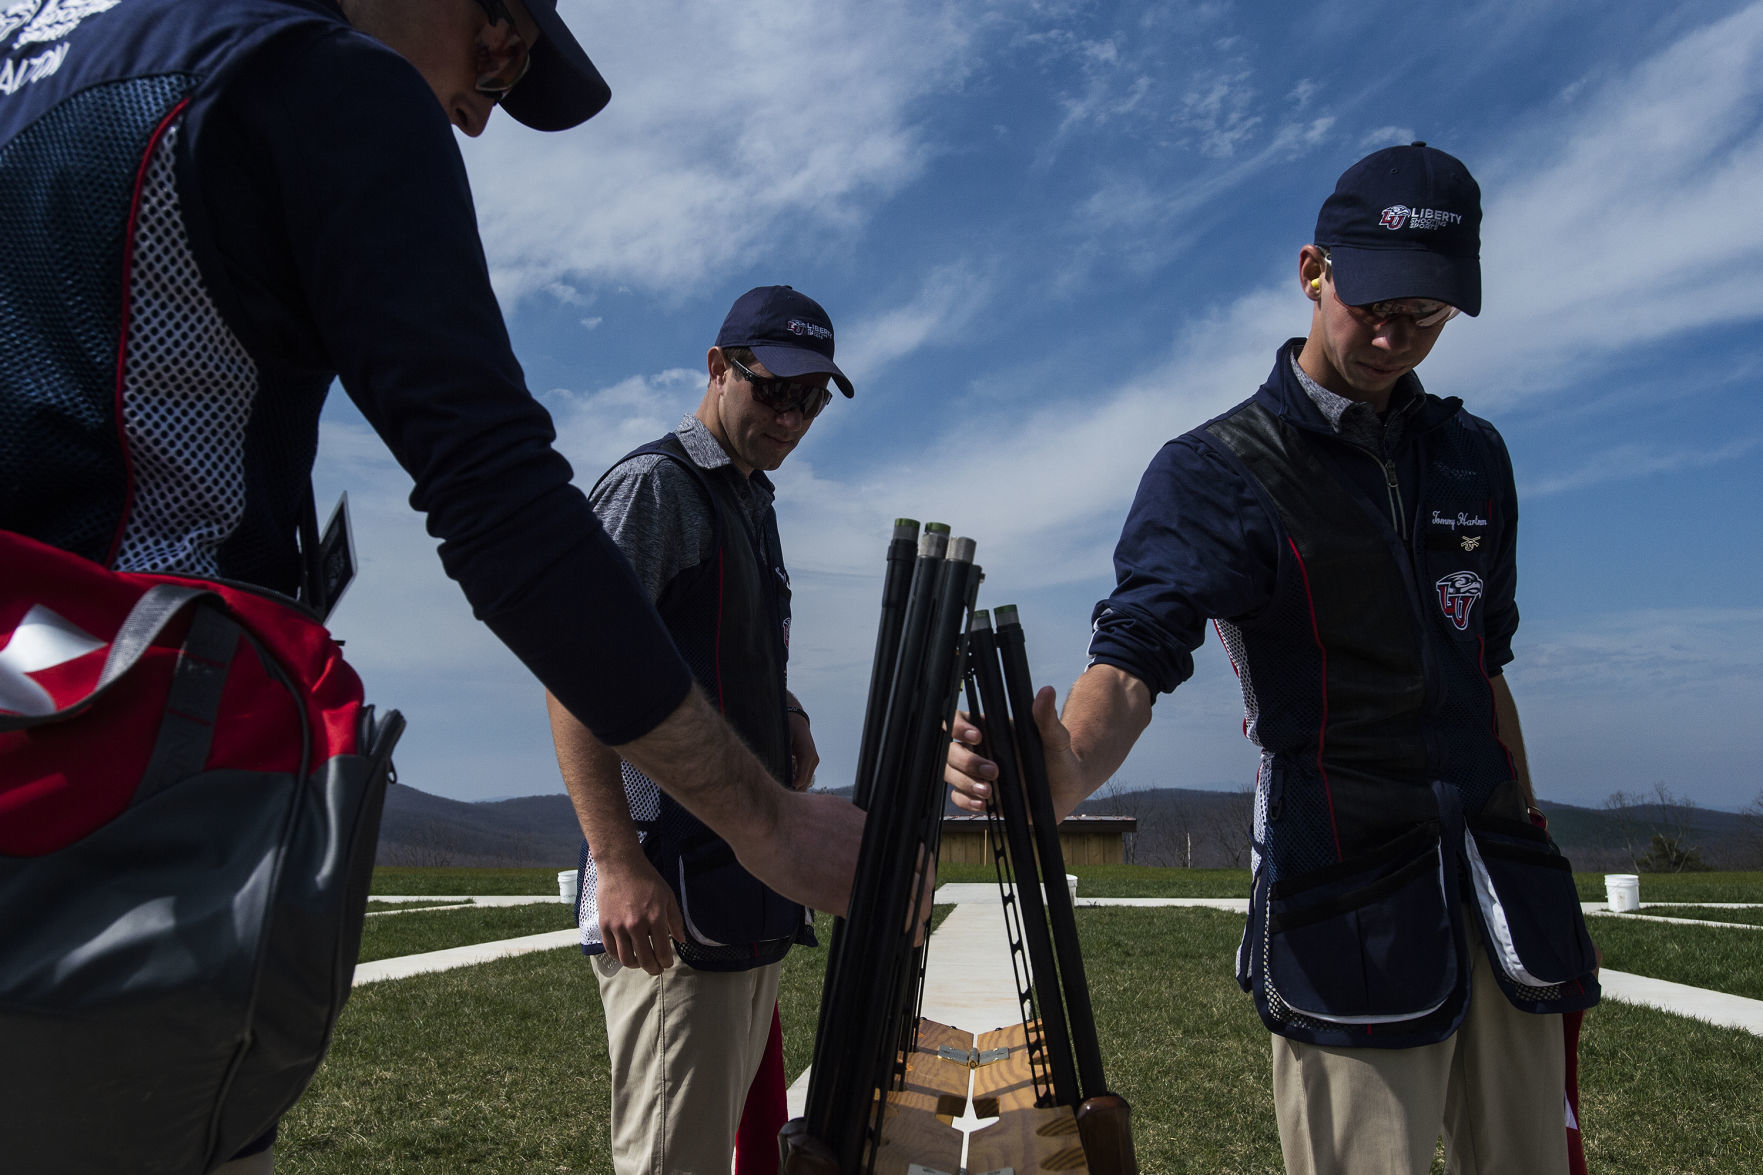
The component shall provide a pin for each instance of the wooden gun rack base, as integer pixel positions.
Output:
(918, 1137)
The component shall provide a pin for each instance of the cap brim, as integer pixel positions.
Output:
(561, 88)
(795, 362)
(1363, 276)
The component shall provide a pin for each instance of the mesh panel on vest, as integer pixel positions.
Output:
(1231, 637)
(66, 183)
(188, 386)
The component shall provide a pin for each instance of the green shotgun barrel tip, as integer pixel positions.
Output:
(1007, 615)
(941, 528)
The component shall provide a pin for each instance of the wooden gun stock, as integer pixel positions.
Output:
(1104, 1123)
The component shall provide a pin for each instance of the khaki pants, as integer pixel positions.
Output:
(1497, 1088)
(685, 1045)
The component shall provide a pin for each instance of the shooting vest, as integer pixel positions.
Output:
(124, 395)
(730, 617)
(1387, 804)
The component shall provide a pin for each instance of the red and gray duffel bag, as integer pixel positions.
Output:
(190, 793)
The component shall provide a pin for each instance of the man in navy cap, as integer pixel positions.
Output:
(693, 513)
(1414, 935)
(211, 212)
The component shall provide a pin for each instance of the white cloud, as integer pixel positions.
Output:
(1635, 460)
(1386, 136)
(948, 299)
(729, 125)
(1621, 222)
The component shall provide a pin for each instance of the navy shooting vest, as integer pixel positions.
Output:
(1388, 804)
(729, 616)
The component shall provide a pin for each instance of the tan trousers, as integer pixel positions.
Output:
(1497, 1088)
(685, 1045)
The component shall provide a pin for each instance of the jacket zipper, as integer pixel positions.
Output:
(1392, 491)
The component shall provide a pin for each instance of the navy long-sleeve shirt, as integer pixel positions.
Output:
(323, 201)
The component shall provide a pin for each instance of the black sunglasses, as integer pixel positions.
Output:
(783, 395)
(498, 82)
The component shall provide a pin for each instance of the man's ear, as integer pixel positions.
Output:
(1310, 272)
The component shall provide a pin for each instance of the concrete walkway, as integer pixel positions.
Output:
(969, 980)
(446, 960)
(1602, 911)
(1697, 1003)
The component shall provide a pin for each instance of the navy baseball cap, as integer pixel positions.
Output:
(561, 88)
(1405, 222)
(786, 331)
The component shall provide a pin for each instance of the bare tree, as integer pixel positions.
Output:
(1623, 808)
(1117, 798)
(1753, 829)
(1655, 829)
(427, 845)
(1233, 828)
(1173, 838)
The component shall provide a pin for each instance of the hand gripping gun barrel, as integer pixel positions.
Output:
(886, 1083)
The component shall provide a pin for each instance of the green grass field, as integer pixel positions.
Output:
(1137, 881)
(412, 880)
(502, 1067)
(1702, 956)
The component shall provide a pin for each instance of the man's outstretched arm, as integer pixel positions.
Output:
(801, 844)
(1105, 712)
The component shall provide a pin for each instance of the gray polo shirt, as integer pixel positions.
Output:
(657, 516)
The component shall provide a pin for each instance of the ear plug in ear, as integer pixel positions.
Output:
(1316, 284)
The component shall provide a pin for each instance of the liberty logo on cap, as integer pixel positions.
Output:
(1397, 215)
(797, 327)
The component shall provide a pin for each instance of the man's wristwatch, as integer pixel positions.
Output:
(798, 710)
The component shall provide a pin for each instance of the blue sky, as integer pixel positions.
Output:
(1053, 235)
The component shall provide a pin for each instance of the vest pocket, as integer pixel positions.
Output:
(1368, 940)
(1530, 913)
(724, 905)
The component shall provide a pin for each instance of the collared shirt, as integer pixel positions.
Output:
(656, 515)
(1356, 421)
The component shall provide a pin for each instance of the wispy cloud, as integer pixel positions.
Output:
(730, 124)
(1623, 221)
(1636, 460)
(948, 299)
(1386, 136)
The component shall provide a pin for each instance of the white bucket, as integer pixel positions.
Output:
(566, 883)
(1622, 891)
(1071, 884)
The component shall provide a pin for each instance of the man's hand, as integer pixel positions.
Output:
(639, 917)
(804, 757)
(970, 775)
(802, 844)
(1106, 711)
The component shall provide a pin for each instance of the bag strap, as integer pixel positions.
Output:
(155, 609)
(191, 707)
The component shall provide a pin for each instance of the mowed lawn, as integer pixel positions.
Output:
(502, 1067)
